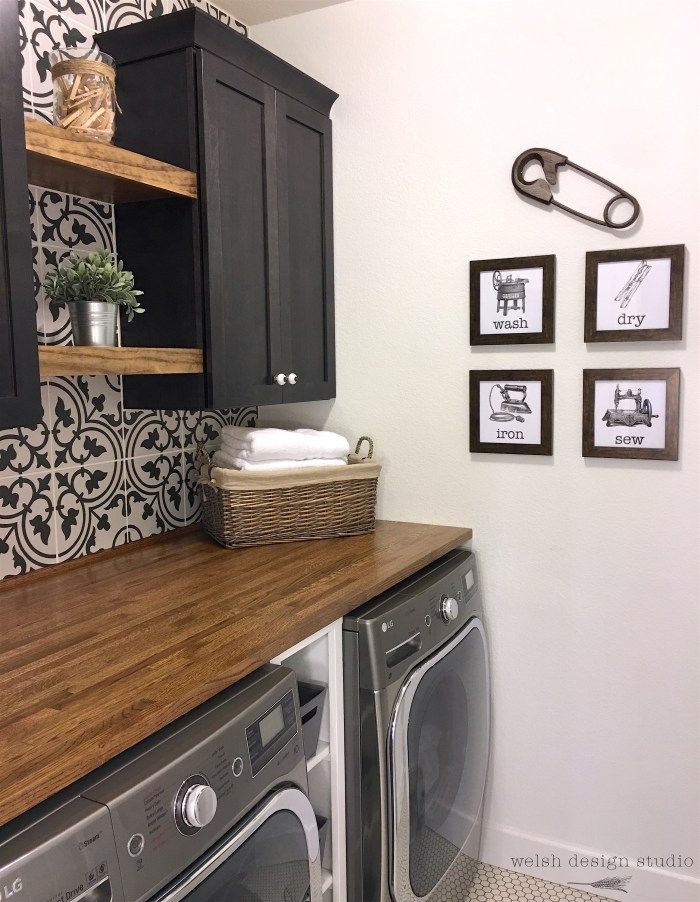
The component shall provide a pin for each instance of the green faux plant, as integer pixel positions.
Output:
(98, 276)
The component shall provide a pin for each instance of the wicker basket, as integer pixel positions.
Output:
(242, 508)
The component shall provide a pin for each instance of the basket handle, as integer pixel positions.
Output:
(203, 463)
(361, 440)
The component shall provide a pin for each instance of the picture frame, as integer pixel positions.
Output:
(635, 294)
(511, 411)
(631, 413)
(511, 300)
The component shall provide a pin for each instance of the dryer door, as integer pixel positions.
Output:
(272, 855)
(438, 755)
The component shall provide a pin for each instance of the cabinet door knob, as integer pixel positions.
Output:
(292, 378)
(280, 379)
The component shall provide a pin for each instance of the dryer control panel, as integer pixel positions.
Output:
(408, 621)
(199, 778)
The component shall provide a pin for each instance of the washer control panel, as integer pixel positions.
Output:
(404, 624)
(68, 855)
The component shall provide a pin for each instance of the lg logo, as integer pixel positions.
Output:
(387, 625)
(7, 892)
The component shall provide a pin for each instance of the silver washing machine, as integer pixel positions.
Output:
(417, 709)
(212, 808)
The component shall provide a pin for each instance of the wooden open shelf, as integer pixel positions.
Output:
(65, 162)
(66, 360)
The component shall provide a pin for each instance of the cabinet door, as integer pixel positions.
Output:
(20, 401)
(305, 194)
(238, 189)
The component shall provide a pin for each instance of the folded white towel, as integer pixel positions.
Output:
(261, 444)
(223, 459)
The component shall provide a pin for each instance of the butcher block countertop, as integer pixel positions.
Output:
(99, 653)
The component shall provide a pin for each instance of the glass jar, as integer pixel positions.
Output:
(84, 99)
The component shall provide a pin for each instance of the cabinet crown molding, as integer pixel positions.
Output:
(194, 28)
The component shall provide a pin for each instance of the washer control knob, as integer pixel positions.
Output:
(199, 805)
(449, 609)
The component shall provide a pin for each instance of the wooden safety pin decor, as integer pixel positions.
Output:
(540, 190)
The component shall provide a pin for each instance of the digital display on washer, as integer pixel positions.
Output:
(271, 732)
(271, 725)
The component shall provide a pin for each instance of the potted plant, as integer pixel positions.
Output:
(93, 287)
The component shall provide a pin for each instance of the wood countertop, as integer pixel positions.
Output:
(99, 653)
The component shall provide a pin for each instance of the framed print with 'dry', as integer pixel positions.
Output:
(511, 301)
(635, 294)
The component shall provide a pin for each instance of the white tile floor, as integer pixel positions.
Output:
(467, 880)
(492, 884)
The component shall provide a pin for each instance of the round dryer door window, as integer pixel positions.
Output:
(438, 757)
(274, 854)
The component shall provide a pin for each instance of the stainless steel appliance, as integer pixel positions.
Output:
(214, 807)
(417, 736)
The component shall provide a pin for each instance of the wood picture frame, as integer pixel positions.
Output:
(654, 291)
(498, 317)
(631, 412)
(511, 429)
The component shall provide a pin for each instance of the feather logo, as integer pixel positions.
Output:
(617, 884)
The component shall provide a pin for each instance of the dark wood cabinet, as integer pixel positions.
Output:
(249, 265)
(306, 248)
(20, 396)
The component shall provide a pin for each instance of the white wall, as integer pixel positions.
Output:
(590, 567)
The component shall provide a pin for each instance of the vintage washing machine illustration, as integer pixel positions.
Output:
(510, 293)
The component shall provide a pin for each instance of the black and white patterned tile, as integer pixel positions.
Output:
(90, 475)
(32, 198)
(70, 223)
(89, 13)
(147, 432)
(119, 13)
(191, 468)
(205, 425)
(26, 450)
(27, 536)
(52, 320)
(86, 414)
(155, 494)
(47, 27)
(90, 509)
(27, 58)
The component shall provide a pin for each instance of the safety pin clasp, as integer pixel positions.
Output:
(540, 190)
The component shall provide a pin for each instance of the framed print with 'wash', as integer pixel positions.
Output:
(511, 301)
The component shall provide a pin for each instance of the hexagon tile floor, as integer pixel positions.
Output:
(492, 884)
(468, 880)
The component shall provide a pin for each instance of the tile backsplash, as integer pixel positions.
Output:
(90, 475)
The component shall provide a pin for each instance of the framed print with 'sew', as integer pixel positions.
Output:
(631, 413)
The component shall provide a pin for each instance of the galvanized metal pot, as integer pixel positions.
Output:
(93, 322)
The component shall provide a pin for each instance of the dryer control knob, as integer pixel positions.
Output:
(449, 609)
(199, 805)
